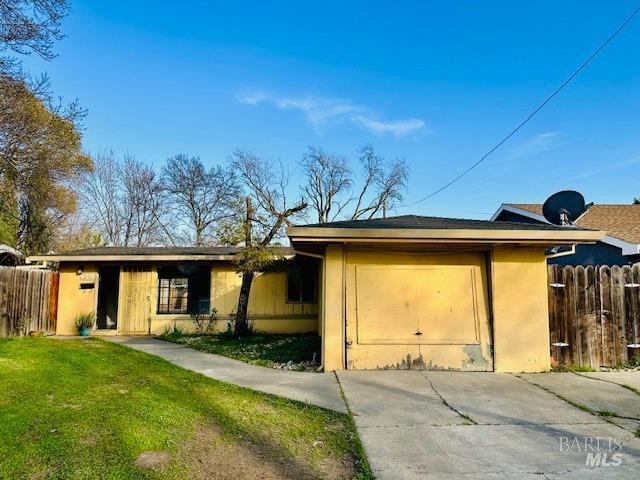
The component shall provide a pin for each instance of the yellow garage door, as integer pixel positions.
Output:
(417, 310)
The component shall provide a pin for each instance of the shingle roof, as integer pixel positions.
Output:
(529, 207)
(620, 221)
(431, 223)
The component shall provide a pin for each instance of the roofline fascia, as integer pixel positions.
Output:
(126, 258)
(509, 208)
(568, 236)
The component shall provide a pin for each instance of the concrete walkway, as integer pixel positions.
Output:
(320, 389)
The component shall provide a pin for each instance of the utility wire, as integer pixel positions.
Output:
(532, 114)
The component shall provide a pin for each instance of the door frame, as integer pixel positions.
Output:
(107, 331)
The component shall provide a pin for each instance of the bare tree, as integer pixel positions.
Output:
(266, 214)
(201, 198)
(327, 182)
(382, 186)
(101, 197)
(143, 203)
(29, 26)
(330, 187)
(123, 199)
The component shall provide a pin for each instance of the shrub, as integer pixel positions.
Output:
(85, 320)
(205, 323)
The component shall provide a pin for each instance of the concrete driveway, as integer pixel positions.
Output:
(457, 425)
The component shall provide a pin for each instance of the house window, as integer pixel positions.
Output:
(173, 295)
(301, 282)
(184, 289)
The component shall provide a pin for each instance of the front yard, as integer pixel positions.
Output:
(292, 352)
(72, 409)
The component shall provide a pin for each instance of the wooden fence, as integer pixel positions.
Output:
(28, 301)
(594, 314)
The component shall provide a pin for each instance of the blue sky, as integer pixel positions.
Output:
(437, 83)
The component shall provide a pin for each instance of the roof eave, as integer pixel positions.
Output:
(551, 237)
(126, 258)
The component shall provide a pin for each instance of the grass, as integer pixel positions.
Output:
(629, 387)
(606, 413)
(267, 350)
(87, 409)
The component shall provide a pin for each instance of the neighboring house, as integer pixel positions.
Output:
(620, 245)
(399, 292)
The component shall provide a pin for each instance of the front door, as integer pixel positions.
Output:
(136, 291)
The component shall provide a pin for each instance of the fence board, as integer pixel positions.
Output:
(607, 338)
(28, 301)
(597, 313)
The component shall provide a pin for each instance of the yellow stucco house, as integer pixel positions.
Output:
(392, 293)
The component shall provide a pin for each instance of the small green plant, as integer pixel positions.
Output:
(85, 320)
(230, 334)
(626, 364)
(173, 331)
(21, 325)
(607, 413)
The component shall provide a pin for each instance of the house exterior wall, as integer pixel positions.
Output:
(269, 310)
(520, 309)
(333, 346)
(513, 287)
(72, 299)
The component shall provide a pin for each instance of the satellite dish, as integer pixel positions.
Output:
(563, 208)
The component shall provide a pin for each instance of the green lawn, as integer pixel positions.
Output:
(88, 409)
(267, 350)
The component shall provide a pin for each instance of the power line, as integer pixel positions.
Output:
(532, 114)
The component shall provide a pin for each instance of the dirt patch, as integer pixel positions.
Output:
(209, 455)
(153, 460)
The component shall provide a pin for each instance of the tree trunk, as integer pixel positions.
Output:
(242, 324)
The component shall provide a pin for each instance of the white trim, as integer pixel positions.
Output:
(509, 208)
(571, 251)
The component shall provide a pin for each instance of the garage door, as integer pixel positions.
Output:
(422, 311)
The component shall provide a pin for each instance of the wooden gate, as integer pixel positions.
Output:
(134, 299)
(28, 301)
(594, 314)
